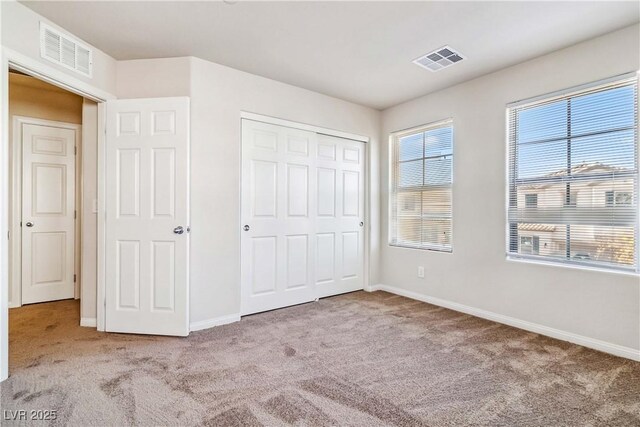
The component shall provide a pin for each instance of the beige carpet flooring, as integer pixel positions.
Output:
(357, 359)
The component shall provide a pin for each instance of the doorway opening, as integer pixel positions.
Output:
(90, 269)
(52, 198)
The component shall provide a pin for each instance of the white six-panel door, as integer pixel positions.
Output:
(302, 210)
(48, 220)
(340, 215)
(147, 218)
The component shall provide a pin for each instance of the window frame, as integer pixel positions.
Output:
(394, 138)
(632, 77)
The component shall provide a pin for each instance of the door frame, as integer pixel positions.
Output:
(367, 183)
(64, 80)
(15, 231)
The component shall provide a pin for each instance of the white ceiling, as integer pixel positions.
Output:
(358, 51)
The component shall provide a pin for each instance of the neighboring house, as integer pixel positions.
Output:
(589, 242)
(437, 222)
(593, 242)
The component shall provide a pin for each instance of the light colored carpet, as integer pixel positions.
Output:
(357, 359)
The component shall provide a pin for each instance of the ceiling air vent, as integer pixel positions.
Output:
(65, 50)
(439, 59)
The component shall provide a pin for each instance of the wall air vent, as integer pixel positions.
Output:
(65, 50)
(439, 59)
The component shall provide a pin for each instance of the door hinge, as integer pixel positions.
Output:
(74, 278)
(75, 150)
(75, 214)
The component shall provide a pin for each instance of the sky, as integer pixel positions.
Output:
(542, 133)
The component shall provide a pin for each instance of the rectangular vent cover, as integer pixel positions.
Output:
(439, 59)
(65, 50)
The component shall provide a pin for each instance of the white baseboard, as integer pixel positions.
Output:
(607, 347)
(89, 322)
(217, 321)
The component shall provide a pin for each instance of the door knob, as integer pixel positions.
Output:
(29, 224)
(361, 223)
(246, 228)
(178, 230)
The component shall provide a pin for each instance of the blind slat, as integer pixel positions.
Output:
(573, 177)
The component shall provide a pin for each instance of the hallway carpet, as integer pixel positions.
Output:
(357, 359)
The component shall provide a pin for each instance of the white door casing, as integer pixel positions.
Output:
(48, 213)
(147, 199)
(302, 236)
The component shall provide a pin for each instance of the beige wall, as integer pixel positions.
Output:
(33, 98)
(597, 305)
(218, 95)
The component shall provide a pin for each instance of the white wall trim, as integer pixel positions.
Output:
(302, 126)
(607, 347)
(89, 322)
(216, 321)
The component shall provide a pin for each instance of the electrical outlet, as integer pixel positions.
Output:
(421, 272)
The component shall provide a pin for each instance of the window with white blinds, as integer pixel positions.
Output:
(573, 177)
(421, 178)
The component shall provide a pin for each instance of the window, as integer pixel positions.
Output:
(573, 176)
(572, 200)
(531, 200)
(614, 198)
(623, 198)
(421, 177)
(530, 245)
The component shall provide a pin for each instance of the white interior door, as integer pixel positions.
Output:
(48, 213)
(147, 216)
(340, 219)
(302, 209)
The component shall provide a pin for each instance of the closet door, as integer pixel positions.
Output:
(278, 216)
(340, 215)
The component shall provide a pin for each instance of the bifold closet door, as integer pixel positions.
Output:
(302, 210)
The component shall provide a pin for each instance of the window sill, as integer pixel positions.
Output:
(629, 273)
(422, 248)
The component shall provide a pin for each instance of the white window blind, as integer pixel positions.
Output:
(573, 177)
(421, 178)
